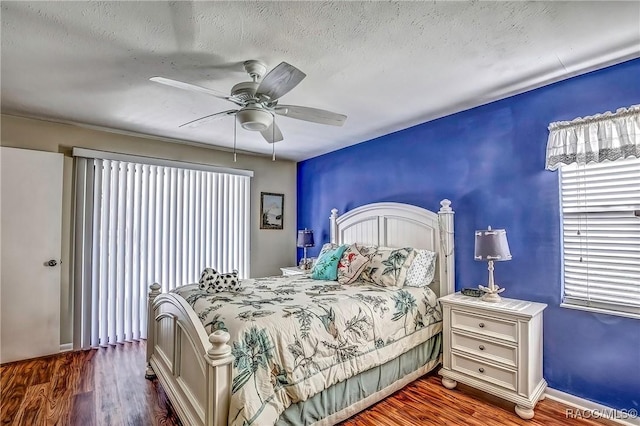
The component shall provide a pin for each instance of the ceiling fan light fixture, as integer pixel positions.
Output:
(254, 119)
(258, 100)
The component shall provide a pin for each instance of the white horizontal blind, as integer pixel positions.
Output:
(601, 234)
(149, 223)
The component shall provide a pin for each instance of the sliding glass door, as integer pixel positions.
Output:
(139, 223)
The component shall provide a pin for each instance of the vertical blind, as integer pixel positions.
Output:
(601, 234)
(141, 223)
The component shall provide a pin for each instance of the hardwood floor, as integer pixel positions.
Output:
(98, 387)
(107, 387)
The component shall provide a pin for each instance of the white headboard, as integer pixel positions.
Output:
(402, 225)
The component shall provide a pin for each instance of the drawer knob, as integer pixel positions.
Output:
(481, 325)
(481, 370)
(481, 347)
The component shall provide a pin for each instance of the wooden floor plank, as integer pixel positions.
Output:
(83, 410)
(61, 392)
(42, 370)
(83, 372)
(14, 386)
(107, 389)
(33, 410)
(137, 407)
(106, 386)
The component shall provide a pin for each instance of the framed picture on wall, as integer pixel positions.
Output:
(271, 210)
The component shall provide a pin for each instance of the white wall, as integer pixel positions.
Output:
(270, 249)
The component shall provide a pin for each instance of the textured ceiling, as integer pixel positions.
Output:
(387, 66)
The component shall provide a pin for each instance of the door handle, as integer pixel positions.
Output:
(51, 263)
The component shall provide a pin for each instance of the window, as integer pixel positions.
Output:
(140, 221)
(601, 235)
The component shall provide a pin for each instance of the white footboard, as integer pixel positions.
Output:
(194, 368)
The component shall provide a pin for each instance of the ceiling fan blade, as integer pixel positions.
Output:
(280, 80)
(314, 115)
(189, 86)
(272, 133)
(206, 119)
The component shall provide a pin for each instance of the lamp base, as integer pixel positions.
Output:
(305, 264)
(491, 297)
(492, 290)
(491, 294)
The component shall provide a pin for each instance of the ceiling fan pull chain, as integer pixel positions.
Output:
(235, 136)
(273, 139)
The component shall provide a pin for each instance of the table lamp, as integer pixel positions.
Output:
(491, 246)
(305, 240)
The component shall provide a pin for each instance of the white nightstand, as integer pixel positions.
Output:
(494, 347)
(293, 270)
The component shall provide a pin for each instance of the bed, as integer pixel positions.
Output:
(217, 366)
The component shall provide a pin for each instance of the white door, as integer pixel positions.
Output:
(30, 237)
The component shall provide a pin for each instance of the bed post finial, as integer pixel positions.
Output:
(334, 226)
(446, 206)
(219, 348)
(154, 291)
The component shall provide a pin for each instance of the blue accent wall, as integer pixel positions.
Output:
(489, 161)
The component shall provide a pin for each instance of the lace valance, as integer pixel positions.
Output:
(608, 136)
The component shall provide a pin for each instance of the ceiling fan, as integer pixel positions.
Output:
(258, 100)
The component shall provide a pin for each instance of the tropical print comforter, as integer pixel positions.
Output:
(293, 336)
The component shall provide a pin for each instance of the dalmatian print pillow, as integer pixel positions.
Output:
(208, 280)
(228, 282)
(212, 281)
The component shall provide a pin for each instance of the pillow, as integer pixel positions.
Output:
(369, 252)
(422, 269)
(208, 280)
(326, 267)
(326, 247)
(389, 266)
(228, 282)
(212, 281)
(351, 265)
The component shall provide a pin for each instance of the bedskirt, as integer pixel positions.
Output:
(346, 398)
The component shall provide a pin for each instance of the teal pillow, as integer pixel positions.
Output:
(326, 267)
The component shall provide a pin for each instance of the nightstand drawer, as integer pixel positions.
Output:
(503, 377)
(501, 329)
(492, 351)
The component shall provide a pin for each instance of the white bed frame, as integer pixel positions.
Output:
(194, 368)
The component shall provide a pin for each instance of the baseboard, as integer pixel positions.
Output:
(66, 347)
(592, 410)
